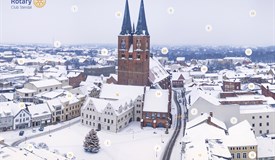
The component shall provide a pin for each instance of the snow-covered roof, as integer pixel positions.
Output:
(101, 104)
(54, 103)
(248, 109)
(265, 147)
(25, 90)
(241, 134)
(39, 110)
(114, 91)
(157, 72)
(156, 100)
(203, 119)
(73, 74)
(45, 83)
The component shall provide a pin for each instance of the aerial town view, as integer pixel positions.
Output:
(137, 80)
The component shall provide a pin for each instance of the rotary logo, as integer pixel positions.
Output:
(39, 3)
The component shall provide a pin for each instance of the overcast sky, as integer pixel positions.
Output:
(95, 22)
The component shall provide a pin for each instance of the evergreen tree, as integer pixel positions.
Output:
(91, 142)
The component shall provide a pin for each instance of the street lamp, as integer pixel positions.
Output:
(141, 123)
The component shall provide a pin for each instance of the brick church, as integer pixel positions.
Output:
(135, 65)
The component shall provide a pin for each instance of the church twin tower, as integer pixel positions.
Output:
(133, 50)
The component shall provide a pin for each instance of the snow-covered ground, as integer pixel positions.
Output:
(132, 142)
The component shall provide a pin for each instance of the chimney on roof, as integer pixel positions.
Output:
(209, 120)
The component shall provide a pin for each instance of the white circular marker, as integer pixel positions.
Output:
(157, 148)
(22, 105)
(69, 96)
(251, 86)
(107, 143)
(164, 50)
(233, 120)
(70, 155)
(252, 13)
(74, 8)
(194, 111)
(104, 52)
(30, 147)
(248, 52)
(158, 94)
(170, 10)
(204, 69)
(57, 44)
(208, 28)
(118, 14)
(21, 61)
(117, 94)
(252, 155)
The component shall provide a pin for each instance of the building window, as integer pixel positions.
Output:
(104, 119)
(244, 155)
(260, 132)
(267, 123)
(267, 116)
(253, 125)
(138, 55)
(130, 56)
(253, 117)
(112, 121)
(260, 124)
(232, 154)
(260, 117)
(238, 155)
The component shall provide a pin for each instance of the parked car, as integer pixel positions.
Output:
(21, 133)
(41, 128)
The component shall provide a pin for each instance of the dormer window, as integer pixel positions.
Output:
(130, 56)
(138, 55)
(123, 44)
(122, 55)
(147, 45)
(138, 44)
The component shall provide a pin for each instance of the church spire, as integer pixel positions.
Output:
(141, 25)
(126, 24)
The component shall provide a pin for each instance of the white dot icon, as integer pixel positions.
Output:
(104, 52)
(252, 13)
(252, 155)
(107, 143)
(204, 69)
(117, 94)
(233, 120)
(74, 8)
(57, 44)
(30, 147)
(208, 28)
(164, 50)
(21, 61)
(22, 105)
(70, 155)
(69, 96)
(170, 10)
(158, 94)
(251, 86)
(118, 14)
(248, 52)
(194, 111)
